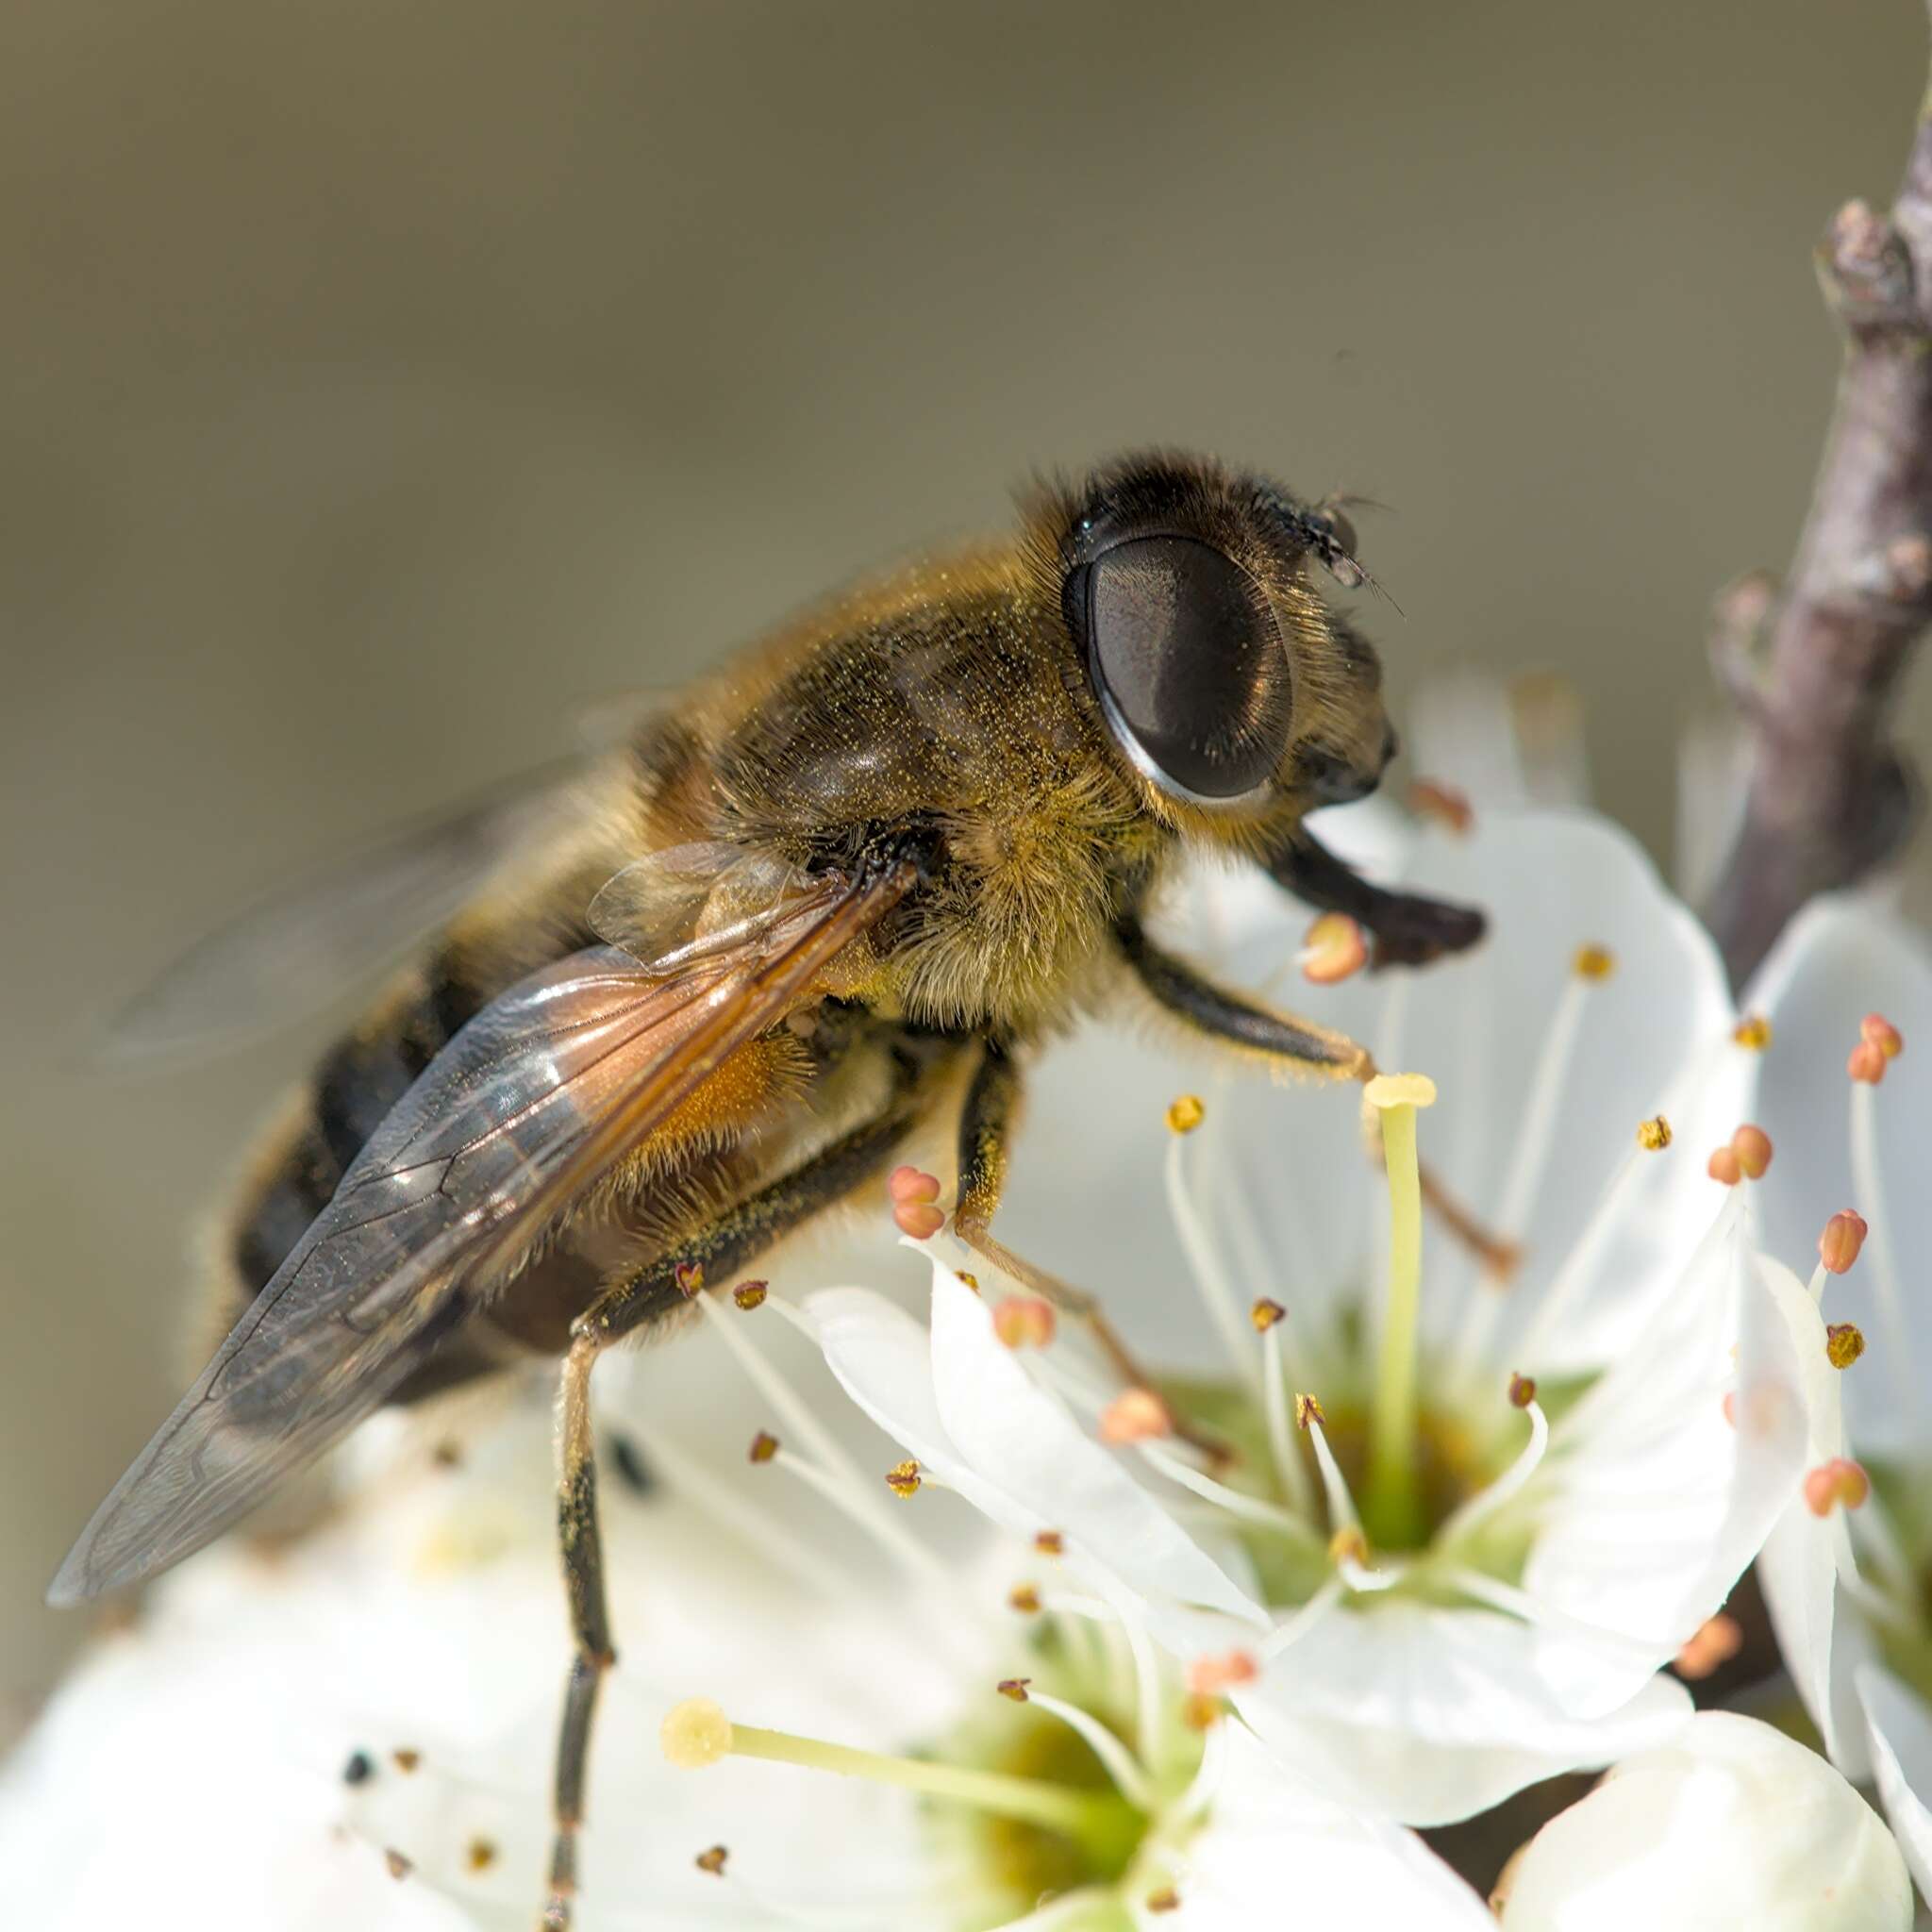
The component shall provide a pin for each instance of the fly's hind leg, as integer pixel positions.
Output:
(630, 1302)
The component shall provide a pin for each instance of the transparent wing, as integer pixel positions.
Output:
(529, 1105)
(674, 909)
(295, 949)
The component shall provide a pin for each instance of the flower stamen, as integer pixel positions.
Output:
(1129, 1778)
(1868, 1187)
(697, 1734)
(1211, 1281)
(1392, 1502)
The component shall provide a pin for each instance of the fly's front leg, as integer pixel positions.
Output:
(631, 1302)
(1301, 1045)
(1227, 1017)
(1409, 929)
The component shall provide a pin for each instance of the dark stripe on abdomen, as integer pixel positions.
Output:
(360, 1079)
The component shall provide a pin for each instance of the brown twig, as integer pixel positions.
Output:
(1828, 797)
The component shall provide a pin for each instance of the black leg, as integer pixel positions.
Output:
(1409, 929)
(1227, 1017)
(631, 1302)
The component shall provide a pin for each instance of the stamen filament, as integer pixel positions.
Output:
(1289, 1466)
(1205, 1786)
(1032, 1801)
(794, 1412)
(1392, 1505)
(1292, 1629)
(1870, 1190)
(905, 1548)
(1532, 1610)
(1128, 1775)
(1237, 1503)
(1815, 1287)
(1507, 1486)
(1873, 1527)
(758, 1528)
(1204, 1265)
(1607, 1220)
(1342, 1510)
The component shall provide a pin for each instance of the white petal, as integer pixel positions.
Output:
(1840, 960)
(1901, 1762)
(883, 1360)
(1798, 1568)
(1730, 1824)
(1653, 1037)
(1017, 1439)
(1276, 1851)
(1429, 1715)
(1657, 1501)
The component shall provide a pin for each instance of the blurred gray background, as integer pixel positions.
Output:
(381, 383)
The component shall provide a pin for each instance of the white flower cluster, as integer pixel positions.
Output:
(1509, 1383)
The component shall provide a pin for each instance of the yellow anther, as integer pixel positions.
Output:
(1265, 1314)
(1400, 1090)
(1185, 1113)
(694, 1734)
(1653, 1135)
(400, 1864)
(1753, 1031)
(751, 1294)
(904, 1479)
(1522, 1391)
(1593, 962)
(1843, 1344)
(479, 1854)
(1202, 1712)
(1024, 1598)
(1348, 1545)
(1014, 1688)
(407, 1759)
(1050, 1543)
(764, 1445)
(1165, 1900)
(712, 1861)
(1307, 1412)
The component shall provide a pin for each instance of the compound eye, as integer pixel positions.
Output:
(1184, 657)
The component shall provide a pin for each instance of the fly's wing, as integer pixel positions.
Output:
(674, 909)
(294, 950)
(539, 1097)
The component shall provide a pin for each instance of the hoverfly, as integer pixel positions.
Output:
(837, 891)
